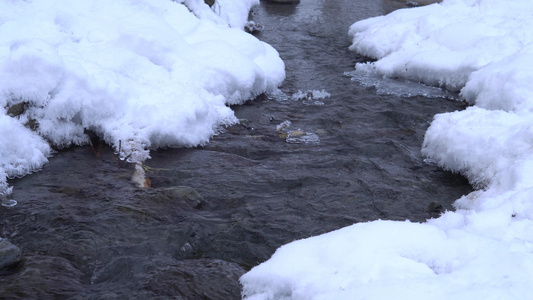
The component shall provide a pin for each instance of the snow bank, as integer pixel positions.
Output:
(423, 44)
(21, 150)
(444, 259)
(483, 250)
(141, 74)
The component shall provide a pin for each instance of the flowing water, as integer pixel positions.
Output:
(291, 169)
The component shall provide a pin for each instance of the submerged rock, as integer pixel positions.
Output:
(9, 254)
(435, 209)
(44, 277)
(175, 194)
(297, 136)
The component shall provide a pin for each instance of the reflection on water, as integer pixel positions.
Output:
(213, 212)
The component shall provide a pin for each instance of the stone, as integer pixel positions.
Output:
(17, 109)
(175, 194)
(435, 209)
(9, 254)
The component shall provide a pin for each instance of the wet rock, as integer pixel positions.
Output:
(199, 279)
(245, 123)
(17, 109)
(187, 193)
(435, 209)
(68, 191)
(141, 277)
(210, 2)
(32, 124)
(9, 254)
(43, 277)
(182, 193)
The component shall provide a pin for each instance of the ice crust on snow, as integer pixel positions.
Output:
(311, 97)
(398, 87)
(141, 74)
(483, 250)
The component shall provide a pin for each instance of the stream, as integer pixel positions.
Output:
(292, 169)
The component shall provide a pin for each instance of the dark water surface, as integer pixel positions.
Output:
(86, 232)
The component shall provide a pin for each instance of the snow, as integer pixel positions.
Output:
(484, 249)
(21, 150)
(141, 74)
(395, 260)
(311, 97)
(422, 44)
